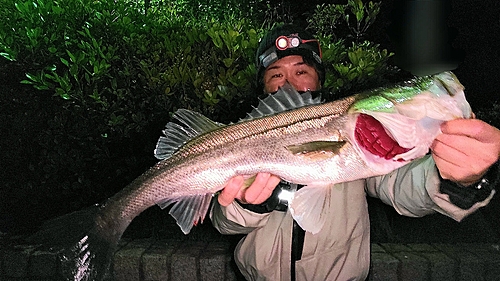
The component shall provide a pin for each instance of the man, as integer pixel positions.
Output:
(275, 247)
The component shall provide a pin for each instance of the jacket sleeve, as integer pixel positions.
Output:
(234, 219)
(413, 190)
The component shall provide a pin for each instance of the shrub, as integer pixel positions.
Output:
(351, 20)
(353, 63)
(107, 75)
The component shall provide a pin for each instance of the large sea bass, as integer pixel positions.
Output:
(289, 135)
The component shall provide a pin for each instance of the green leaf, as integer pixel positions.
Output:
(73, 70)
(8, 56)
(57, 10)
(62, 94)
(71, 56)
(228, 62)
(126, 20)
(22, 7)
(33, 77)
(64, 61)
(54, 77)
(353, 57)
(359, 15)
(41, 87)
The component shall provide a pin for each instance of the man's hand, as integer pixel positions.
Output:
(256, 193)
(465, 150)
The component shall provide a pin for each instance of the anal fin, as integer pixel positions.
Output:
(189, 210)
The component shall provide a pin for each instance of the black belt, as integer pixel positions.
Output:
(298, 235)
(278, 201)
(283, 192)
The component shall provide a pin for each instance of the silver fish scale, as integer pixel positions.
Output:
(264, 152)
(312, 145)
(208, 161)
(290, 119)
(204, 164)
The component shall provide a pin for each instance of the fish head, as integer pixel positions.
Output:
(391, 127)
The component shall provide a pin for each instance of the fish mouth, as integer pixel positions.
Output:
(371, 135)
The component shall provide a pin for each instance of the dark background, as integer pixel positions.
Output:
(467, 41)
(470, 42)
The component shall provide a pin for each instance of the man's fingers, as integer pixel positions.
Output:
(268, 189)
(256, 188)
(258, 192)
(472, 128)
(230, 191)
(261, 188)
(451, 146)
(465, 150)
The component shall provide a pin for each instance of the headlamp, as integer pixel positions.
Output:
(292, 41)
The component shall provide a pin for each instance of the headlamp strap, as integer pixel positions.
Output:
(283, 43)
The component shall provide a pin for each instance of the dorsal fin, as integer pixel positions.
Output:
(286, 98)
(192, 124)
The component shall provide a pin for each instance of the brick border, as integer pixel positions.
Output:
(148, 260)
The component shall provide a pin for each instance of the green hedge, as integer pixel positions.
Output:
(107, 75)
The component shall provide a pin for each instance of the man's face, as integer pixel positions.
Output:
(303, 77)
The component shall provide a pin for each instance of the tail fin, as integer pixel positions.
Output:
(86, 250)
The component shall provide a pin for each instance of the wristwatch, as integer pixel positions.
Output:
(466, 196)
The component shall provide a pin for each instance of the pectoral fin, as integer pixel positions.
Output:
(308, 205)
(317, 150)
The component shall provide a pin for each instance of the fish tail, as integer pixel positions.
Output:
(85, 250)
